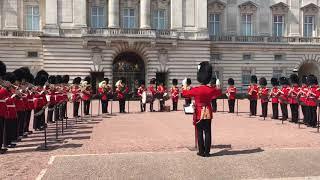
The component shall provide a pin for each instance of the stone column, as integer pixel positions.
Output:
(11, 14)
(80, 13)
(145, 14)
(294, 18)
(114, 14)
(176, 14)
(51, 19)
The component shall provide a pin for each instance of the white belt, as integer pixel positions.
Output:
(2, 100)
(30, 100)
(38, 98)
(11, 106)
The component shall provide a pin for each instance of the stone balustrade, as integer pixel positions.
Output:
(19, 34)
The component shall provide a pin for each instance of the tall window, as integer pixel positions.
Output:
(246, 76)
(129, 18)
(98, 17)
(246, 25)
(278, 25)
(308, 26)
(159, 19)
(214, 24)
(32, 18)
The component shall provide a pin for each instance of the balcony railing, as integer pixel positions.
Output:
(19, 34)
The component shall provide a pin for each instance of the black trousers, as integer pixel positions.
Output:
(11, 130)
(86, 107)
(104, 104)
(37, 120)
(187, 101)
(161, 105)
(50, 113)
(76, 109)
(231, 103)
(204, 143)
(21, 122)
(142, 106)
(1, 131)
(305, 113)
(264, 108)
(63, 110)
(294, 112)
(284, 111)
(253, 107)
(122, 105)
(275, 110)
(214, 105)
(313, 116)
(57, 112)
(175, 106)
(28, 118)
(151, 106)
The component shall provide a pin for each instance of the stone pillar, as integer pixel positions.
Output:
(80, 13)
(145, 14)
(176, 14)
(202, 11)
(51, 19)
(294, 18)
(11, 14)
(114, 14)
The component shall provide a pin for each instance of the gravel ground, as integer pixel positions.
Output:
(151, 132)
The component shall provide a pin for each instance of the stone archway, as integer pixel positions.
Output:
(128, 65)
(307, 68)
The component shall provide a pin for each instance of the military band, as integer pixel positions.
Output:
(231, 95)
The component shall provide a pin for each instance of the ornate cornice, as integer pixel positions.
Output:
(216, 6)
(279, 8)
(310, 9)
(248, 7)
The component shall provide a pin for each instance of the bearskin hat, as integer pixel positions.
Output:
(263, 81)
(159, 82)
(9, 76)
(42, 80)
(30, 78)
(106, 80)
(26, 70)
(142, 82)
(174, 82)
(77, 80)
(52, 79)
(274, 82)
(43, 73)
(312, 80)
(304, 79)
(204, 73)
(213, 80)
(88, 79)
(188, 81)
(230, 81)
(3, 69)
(284, 81)
(58, 79)
(20, 74)
(294, 79)
(153, 81)
(254, 79)
(65, 79)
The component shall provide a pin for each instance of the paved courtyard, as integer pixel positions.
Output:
(160, 145)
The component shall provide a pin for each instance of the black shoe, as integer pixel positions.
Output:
(11, 145)
(2, 151)
(207, 155)
(200, 154)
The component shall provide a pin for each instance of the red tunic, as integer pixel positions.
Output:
(18, 101)
(30, 104)
(11, 113)
(103, 94)
(121, 92)
(160, 90)
(75, 93)
(275, 93)
(202, 96)
(313, 95)
(293, 96)
(86, 95)
(264, 95)
(39, 99)
(303, 94)
(232, 91)
(152, 90)
(174, 93)
(253, 91)
(4, 93)
(284, 95)
(140, 91)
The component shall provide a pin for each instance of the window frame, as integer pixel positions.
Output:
(277, 23)
(33, 16)
(156, 19)
(305, 24)
(98, 16)
(214, 22)
(245, 23)
(129, 17)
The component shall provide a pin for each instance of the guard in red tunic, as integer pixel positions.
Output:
(312, 98)
(160, 92)
(40, 102)
(4, 93)
(264, 96)
(122, 90)
(284, 97)
(152, 92)
(141, 90)
(231, 95)
(214, 98)
(293, 97)
(86, 94)
(104, 91)
(187, 100)
(203, 110)
(174, 94)
(303, 99)
(76, 98)
(58, 98)
(275, 93)
(65, 99)
(52, 99)
(253, 91)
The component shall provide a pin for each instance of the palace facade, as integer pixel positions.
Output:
(142, 39)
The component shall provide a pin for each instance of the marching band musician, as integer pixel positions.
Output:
(303, 99)
(152, 91)
(140, 91)
(30, 104)
(160, 92)
(174, 94)
(231, 95)
(293, 97)
(104, 91)
(76, 98)
(253, 90)
(65, 99)
(284, 93)
(264, 96)
(187, 100)
(312, 98)
(275, 93)
(4, 93)
(86, 94)
(59, 98)
(52, 98)
(121, 90)
(214, 98)
(203, 111)
(40, 102)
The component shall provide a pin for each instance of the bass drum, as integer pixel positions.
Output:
(149, 97)
(166, 96)
(144, 97)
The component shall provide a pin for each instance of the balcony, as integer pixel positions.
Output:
(20, 34)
